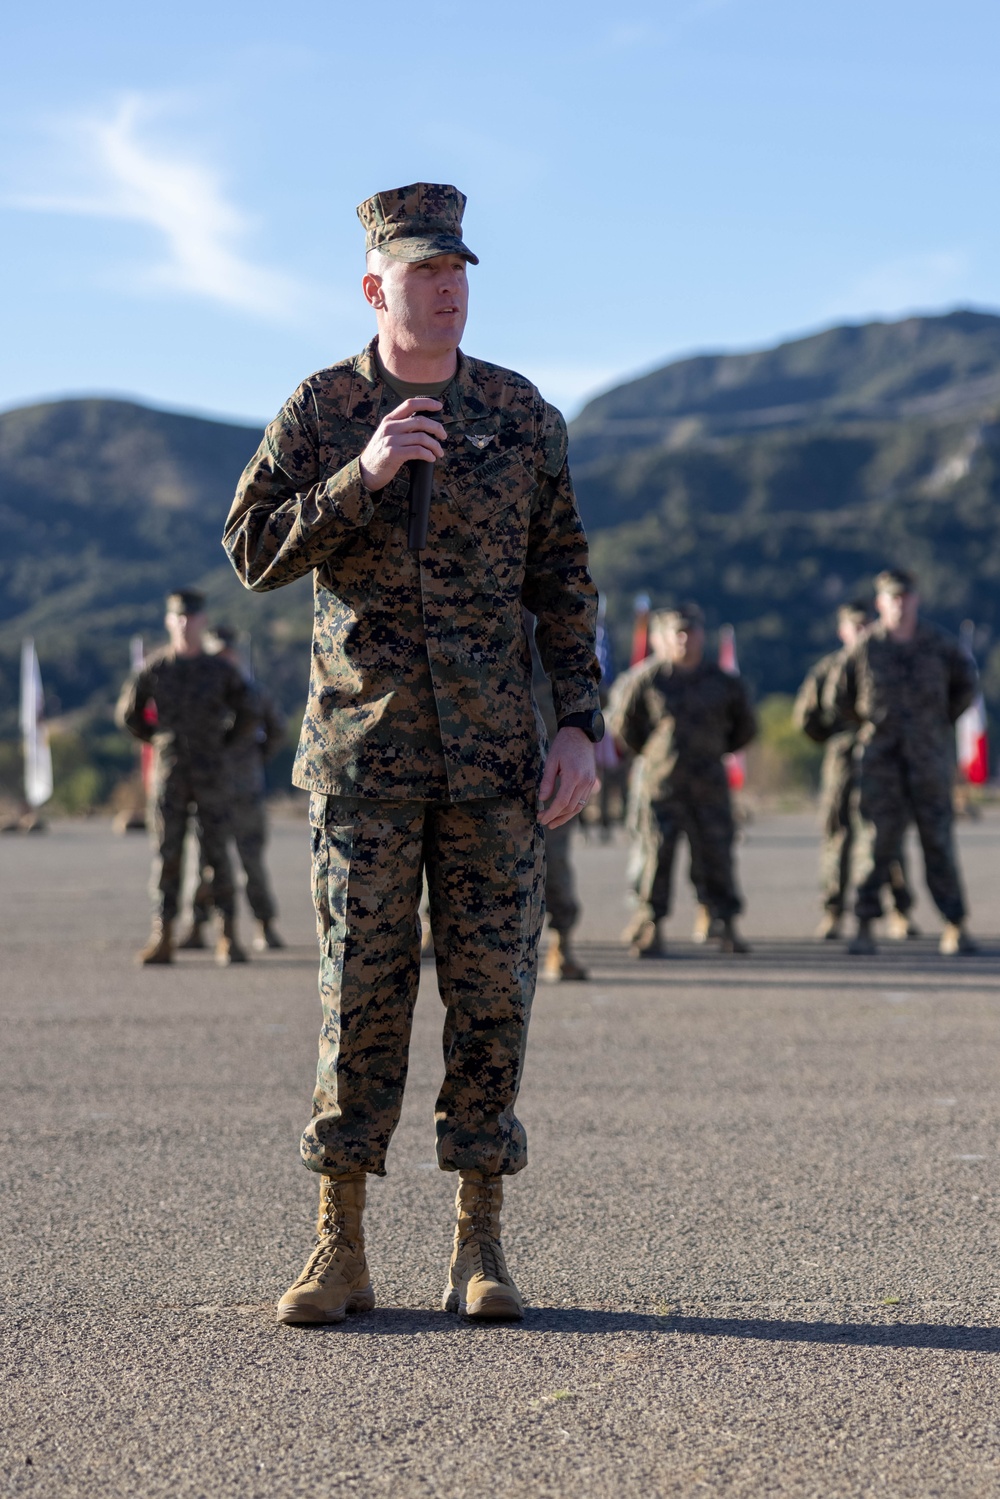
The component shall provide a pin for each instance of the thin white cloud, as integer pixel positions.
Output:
(129, 179)
(902, 285)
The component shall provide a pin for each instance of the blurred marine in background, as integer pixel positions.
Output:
(905, 684)
(190, 706)
(247, 790)
(838, 785)
(682, 714)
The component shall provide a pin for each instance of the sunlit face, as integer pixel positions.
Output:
(850, 630)
(678, 645)
(422, 305)
(185, 630)
(897, 611)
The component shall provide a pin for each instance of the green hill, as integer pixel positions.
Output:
(104, 505)
(773, 485)
(769, 485)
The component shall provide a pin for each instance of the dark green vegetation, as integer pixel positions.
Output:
(769, 485)
(105, 505)
(773, 485)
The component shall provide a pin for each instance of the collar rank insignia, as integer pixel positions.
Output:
(480, 440)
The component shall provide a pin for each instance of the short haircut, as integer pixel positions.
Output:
(685, 616)
(895, 580)
(185, 601)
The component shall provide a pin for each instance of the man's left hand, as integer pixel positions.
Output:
(570, 773)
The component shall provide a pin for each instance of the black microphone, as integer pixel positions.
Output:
(421, 479)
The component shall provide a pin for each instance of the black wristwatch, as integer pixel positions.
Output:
(591, 723)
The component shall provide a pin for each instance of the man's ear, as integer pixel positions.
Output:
(372, 288)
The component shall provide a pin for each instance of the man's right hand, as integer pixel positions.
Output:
(408, 432)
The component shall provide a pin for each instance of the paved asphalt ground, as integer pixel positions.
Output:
(758, 1233)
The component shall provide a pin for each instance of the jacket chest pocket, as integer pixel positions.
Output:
(493, 497)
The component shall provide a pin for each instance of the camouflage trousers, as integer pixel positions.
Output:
(170, 805)
(484, 866)
(248, 826)
(705, 818)
(838, 817)
(560, 884)
(892, 792)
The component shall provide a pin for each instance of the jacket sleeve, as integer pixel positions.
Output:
(132, 702)
(239, 701)
(628, 717)
(272, 724)
(963, 683)
(288, 517)
(809, 713)
(841, 690)
(558, 589)
(742, 719)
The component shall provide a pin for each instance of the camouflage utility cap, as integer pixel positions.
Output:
(895, 580)
(416, 222)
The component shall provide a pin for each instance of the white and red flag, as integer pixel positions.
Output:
(34, 733)
(736, 765)
(972, 747)
(640, 630)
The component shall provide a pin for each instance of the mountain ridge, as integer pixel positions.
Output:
(770, 484)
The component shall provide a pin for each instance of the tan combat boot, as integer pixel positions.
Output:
(193, 939)
(829, 928)
(702, 925)
(160, 947)
(862, 944)
(560, 965)
(648, 940)
(956, 940)
(335, 1280)
(268, 937)
(227, 949)
(479, 1284)
(730, 939)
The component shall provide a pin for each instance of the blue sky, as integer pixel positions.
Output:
(178, 182)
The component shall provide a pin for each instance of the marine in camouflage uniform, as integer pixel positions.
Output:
(562, 904)
(420, 745)
(905, 694)
(682, 720)
(247, 788)
(838, 784)
(190, 707)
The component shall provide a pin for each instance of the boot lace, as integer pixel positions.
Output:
(491, 1258)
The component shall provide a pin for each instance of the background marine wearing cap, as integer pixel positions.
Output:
(838, 784)
(905, 683)
(190, 706)
(420, 743)
(682, 714)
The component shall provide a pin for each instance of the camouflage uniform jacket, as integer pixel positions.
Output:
(421, 669)
(247, 755)
(816, 718)
(681, 722)
(820, 722)
(202, 705)
(905, 695)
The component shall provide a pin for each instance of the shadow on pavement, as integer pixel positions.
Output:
(407, 1322)
(856, 1334)
(814, 966)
